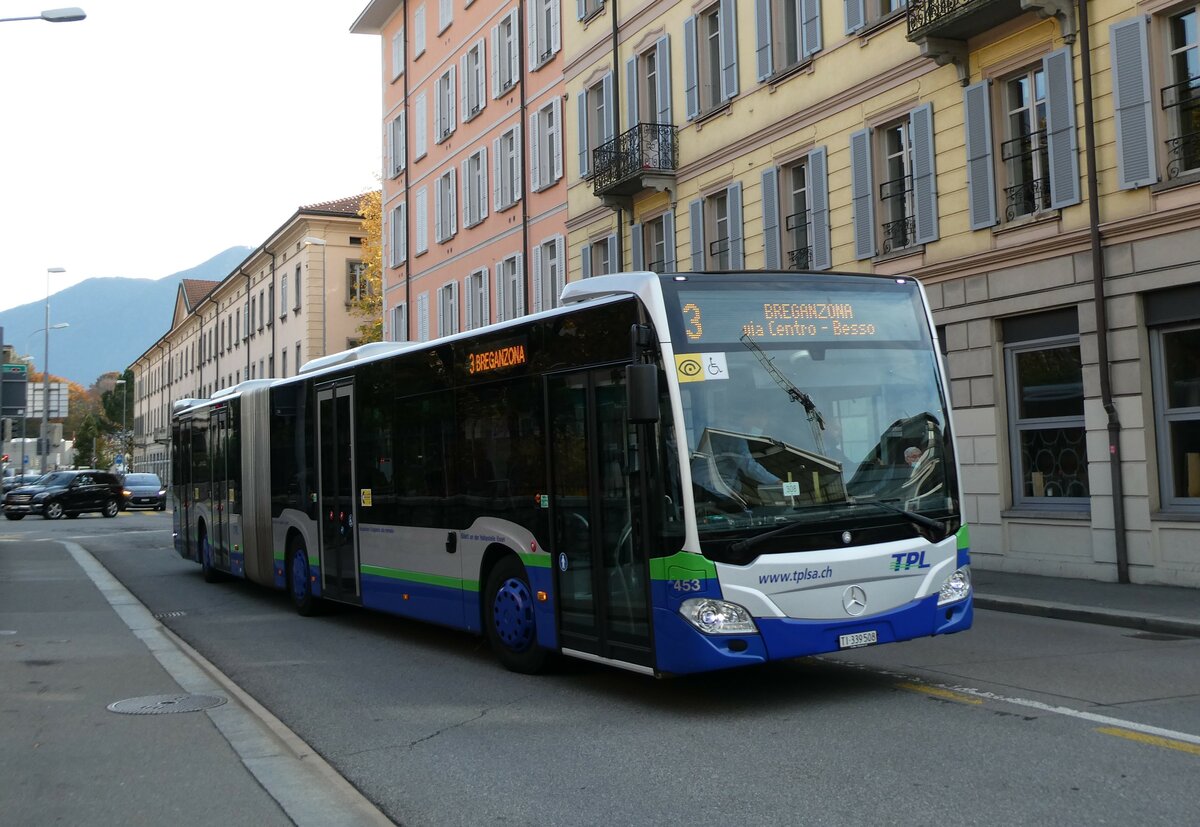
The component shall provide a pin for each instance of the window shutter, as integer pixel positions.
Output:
(485, 312)
(454, 294)
(556, 149)
(810, 35)
(663, 63)
(452, 110)
(762, 38)
(560, 272)
(452, 207)
(1132, 101)
(438, 114)
(580, 9)
(514, 53)
(480, 74)
(729, 56)
(981, 174)
(818, 209)
(402, 235)
(669, 264)
(438, 231)
(531, 27)
(470, 199)
(856, 15)
(584, 166)
(481, 183)
(862, 194)
(635, 243)
(421, 127)
(422, 239)
(495, 62)
(555, 28)
(924, 174)
(691, 72)
(517, 171)
(500, 292)
(610, 113)
(464, 90)
(614, 260)
(538, 290)
(631, 91)
(519, 298)
(1061, 140)
(772, 260)
(737, 253)
(585, 261)
(696, 211)
(423, 317)
(497, 176)
(469, 301)
(535, 159)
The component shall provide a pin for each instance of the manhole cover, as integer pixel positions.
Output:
(165, 704)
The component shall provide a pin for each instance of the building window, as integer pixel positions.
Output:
(653, 243)
(597, 258)
(262, 310)
(398, 53)
(716, 227)
(419, 31)
(474, 185)
(507, 161)
(270, 305)
(396, 145)
(787, 33)
(474, 95)
(545, 145)
(399, 245)
(299, 364)
(510, 288)
(296, 307)
(358, 286)
(1173, 317)
(444, 105)
(400, 323)
(548, 273)
(421, 202)
(475, 293)
(506, 55)
(445, 207)
(544, 31)
(797, 246)
(447, 299)
(283, 305)
(864, 13)
(1044, 378)
(283, 364)
(896, 189)
(597, 124)
(588, 8)
(710, 58)
(1181, 98)
(1024, 152)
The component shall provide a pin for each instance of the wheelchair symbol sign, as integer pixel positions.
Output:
(701, 367)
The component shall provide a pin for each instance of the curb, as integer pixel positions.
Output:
(1090, 614)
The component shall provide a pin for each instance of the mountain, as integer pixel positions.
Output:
(112, 320)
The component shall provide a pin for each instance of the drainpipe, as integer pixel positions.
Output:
(1106, 394)
(523, 61)
(408, 308)
(272, 317)
(616, 115)
(249, 327)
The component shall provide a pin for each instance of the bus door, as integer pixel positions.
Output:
(599, 558)
(221, 539)
(181, 488)
(336, 495)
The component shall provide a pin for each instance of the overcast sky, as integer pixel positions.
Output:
(157, 133)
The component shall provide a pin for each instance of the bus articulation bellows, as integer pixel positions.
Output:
(668, 473)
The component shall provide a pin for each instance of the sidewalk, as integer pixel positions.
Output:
(1161, 609)
(73, 641)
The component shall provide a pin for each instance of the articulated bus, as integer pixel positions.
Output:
(668, 473)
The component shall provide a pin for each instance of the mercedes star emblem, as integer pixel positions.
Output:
(854, 600)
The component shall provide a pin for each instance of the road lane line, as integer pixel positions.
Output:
(1152, 740)
(939, 692)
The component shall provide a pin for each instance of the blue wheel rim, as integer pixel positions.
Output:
(299, 573)
(512, 611)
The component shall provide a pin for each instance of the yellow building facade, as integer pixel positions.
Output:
(948, 141)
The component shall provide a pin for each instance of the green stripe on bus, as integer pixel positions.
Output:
(964, 537)
(422, 577)
(537, 561)
(674, 567)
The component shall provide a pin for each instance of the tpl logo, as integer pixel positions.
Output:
(904, 561)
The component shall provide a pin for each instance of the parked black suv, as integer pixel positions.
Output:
(66, 492)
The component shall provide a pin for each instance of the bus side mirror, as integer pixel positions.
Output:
(641, 384)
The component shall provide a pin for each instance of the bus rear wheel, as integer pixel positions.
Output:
(509, 624)
(300, 582)
(211, 574)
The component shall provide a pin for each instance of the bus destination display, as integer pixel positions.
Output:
(766, 316)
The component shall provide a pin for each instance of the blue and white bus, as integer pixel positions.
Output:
(668, 473)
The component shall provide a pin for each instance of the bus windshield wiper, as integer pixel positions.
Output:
(750, 542)
(911, 516)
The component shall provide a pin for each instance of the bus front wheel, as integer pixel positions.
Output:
(300, 582)
(510, 625)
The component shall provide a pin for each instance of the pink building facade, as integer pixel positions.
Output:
(474, 196)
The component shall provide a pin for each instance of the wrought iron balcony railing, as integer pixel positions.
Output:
(1183, 155)
(899, 234)
(648, 148)
(958, 19)
(1027, 198)
(800, 258)
(1181, 94)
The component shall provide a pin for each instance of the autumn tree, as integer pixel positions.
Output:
(368, 304)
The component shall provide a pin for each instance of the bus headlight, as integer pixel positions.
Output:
(717, 617)
(957, 587)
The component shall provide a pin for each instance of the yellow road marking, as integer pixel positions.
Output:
(1152, 740)
(944, 694)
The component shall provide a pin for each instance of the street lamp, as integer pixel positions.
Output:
(52, 16)
(124, 451)
(58, 326)
(320, 242)
(46, 376)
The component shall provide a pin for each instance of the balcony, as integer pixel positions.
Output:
(644, 157)
(942, 27)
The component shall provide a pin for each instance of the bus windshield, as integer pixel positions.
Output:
(801, 412)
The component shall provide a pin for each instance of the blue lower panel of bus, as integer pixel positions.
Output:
(420, 601)
(682, 649)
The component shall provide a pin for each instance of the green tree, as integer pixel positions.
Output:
(368, 306)
(91, 446)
